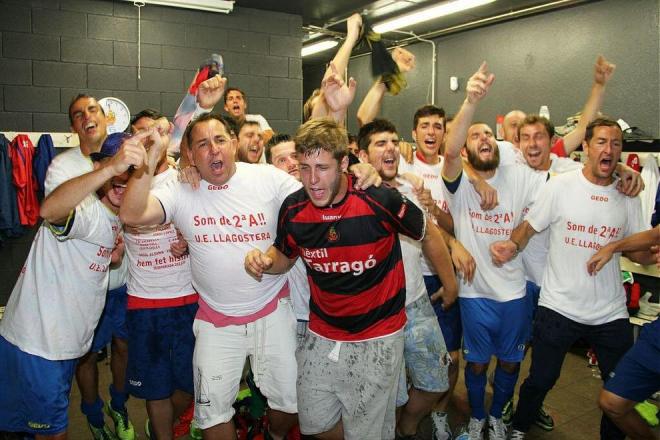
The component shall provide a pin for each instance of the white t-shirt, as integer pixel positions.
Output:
(535, 253)
(118, 276)
(517, 186)
(411, 254)
(432, 181)
(65, 166)
(154, 272)
(583, 217)
(59, 296)
(509, 154)
(221, 224)
(263, 124)
(299, 287)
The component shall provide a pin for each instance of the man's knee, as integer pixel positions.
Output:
(509, 367)
(477, 369)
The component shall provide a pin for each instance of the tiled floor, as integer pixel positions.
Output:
(572, 403)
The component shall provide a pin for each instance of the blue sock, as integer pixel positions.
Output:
(503, 387)
(118, 399)
(476, 388)
(94, 412)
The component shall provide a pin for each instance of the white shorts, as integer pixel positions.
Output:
(219, 359)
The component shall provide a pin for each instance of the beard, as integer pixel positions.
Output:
(483, 165)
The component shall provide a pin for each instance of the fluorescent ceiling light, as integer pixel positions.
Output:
(318, 47)
(426, 14)
(224, 6)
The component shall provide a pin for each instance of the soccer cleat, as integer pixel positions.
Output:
(517, 435)
(544, 420)
(496, 429)
(103, 433)
(507, 413)
(649, 412)
(440, 426)
(473, 431)
(123, 427)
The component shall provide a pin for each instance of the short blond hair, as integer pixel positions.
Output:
(322, 134)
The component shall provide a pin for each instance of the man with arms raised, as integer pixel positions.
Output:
(51, 316)
(584, 211)
(493, 308)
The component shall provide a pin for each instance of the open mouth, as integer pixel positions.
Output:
(217, 165)
(389, 161)
(317, 193)
(605, 164)
(90, 127)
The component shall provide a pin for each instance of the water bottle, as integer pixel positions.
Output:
(544, 112)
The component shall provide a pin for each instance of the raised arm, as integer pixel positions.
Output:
(477, 88)
(56, 208)
(506, 250)
(643, 248)
(436, 251)
(603, 71)
(139, 207)
(371, 104)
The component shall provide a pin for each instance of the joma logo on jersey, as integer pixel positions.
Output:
(36, 425)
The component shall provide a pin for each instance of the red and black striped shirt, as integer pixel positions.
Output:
(353, 258)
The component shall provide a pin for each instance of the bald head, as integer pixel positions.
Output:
(511, 122)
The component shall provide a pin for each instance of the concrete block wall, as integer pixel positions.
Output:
(50, 50)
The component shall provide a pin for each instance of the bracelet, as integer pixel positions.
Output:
(517, 248)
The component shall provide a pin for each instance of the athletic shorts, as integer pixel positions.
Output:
(113, 319)
(219, 359)
(424, 348)
(637, 375)
(34, 392)
(532, 293)
(160, 350)
(493, 328)
(449, 320)
(355, 382)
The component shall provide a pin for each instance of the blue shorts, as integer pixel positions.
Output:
(449, 320)
(34, 396)
(160, 351)
(494, 328)
(637, 375)
(532, 293)
(113, 319)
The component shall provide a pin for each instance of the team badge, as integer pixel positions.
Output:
(333, 235)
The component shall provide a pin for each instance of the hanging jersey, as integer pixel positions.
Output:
(42, 159)
(21, 152)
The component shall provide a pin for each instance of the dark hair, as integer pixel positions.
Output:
(203, 118)
(373, 127)
(246, 123)
(274, 141)
(234, 89)
(600, 122)
(82, 96)
(536, 119)
(352, 138)
(427, 110)
(233, 125)
(147, 113)
(322, 134)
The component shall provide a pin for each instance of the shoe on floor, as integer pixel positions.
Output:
(123, 427)
(103, 433)
(473, 431)
(496, 429)
(507, 412)
(517, 435)
(440, 426)
(544, 420)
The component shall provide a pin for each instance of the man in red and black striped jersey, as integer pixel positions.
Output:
(349, 366)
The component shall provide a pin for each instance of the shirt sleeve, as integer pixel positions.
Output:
(399, 211)
(90, 221)
(168, 196)
(284, 242)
